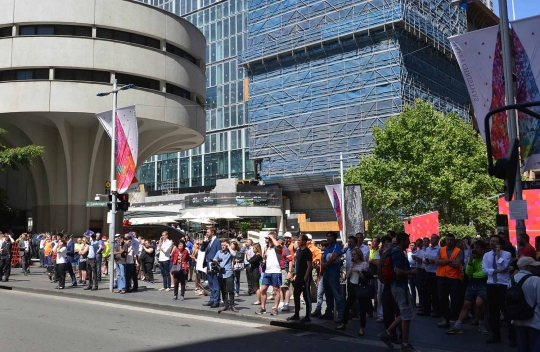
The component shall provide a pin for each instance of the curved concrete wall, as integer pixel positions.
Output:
(60, 115)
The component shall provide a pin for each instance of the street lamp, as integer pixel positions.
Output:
(112, 216)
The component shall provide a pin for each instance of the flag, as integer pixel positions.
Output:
(526, 40)
(334, 192)
(127, 144)
(480, 59)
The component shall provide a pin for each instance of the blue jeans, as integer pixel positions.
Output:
(121, 276)
(320, 294)
(213, 282)
(237, 281)
(165, 269)
(332, 290)
(528, 339)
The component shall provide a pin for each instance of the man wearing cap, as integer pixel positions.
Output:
(528, 331)
(288, 242)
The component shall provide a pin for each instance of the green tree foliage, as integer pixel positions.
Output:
(15, 158)
(425, 161)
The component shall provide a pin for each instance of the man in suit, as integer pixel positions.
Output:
(70, 258)
(25, 251)
(211, 246)
(5, 256)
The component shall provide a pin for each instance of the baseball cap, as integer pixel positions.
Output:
(281, 238)
(117, 235)
(287, 235)
(104, 238)
(309, 237)
(526, 261)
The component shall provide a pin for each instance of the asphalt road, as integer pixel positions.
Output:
(36, 322)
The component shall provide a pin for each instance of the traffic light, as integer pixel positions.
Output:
(506, 169)
(123, 202)
(109, 203)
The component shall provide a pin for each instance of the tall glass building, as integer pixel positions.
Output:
(225, 154)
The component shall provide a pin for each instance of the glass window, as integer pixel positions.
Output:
(219, 48)
(213, 76)
(232, 25)
(225, 9)
(226, 27)
(226, 48)
(239, 24)
(233, 93)
(207, 144)
(212, 32)
(226, 120)
(226, 94)
(211, 98)
(219, 74)
(181, 92)
(239, 42)
(181, 53)
(82, 75)
(239, 5)
(213, 120)
(213, 52)
(206, 16)
(140, 82)
(232, 5)
(240, 92)
(213, 14)
(234, 120)
(6, 32)
(220, 96)
(219, 119)
(232, 47)
(213, 142)
(218, 12)
(219, 29)
(236, 162)
(226, 72)
(44, 30)
(234, 140)
(233, 70)
(240, 110)
(249, 164)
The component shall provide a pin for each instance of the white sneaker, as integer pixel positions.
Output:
(482, 329)
(285, 308)
(281, 304)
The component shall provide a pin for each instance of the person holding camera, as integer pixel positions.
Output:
(476, 292)
(60, 250)
(147, 260)
(224, 268)
(272, 273)
(120, 260)
(165, 248)
(211, 247)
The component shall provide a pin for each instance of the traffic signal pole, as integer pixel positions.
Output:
(510, 98)
(112, 227)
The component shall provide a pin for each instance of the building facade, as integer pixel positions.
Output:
(55, 56)
(225, 153)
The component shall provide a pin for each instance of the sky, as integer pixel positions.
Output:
(523, 8)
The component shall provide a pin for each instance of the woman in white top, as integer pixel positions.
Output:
(359, 289)
(60, 250)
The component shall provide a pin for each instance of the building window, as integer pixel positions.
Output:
(122, 36)
(179, 52)
(82, 75)
(24, 75)
(75, 31)
(139, 82)
(6, 32)
(181, 92)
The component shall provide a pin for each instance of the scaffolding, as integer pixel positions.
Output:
(323, 74)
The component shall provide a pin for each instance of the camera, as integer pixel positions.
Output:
(475, 253)
(215, 268)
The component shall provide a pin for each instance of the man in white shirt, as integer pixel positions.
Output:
(42, 252)
(24, 250)
(165, 246)
(528, 331)
(272, 273)
(431, 293)
(495, 264)
(363, 247)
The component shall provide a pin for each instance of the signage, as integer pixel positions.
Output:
(96, 204)
(530, 184)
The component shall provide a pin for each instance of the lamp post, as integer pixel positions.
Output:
(112, 214)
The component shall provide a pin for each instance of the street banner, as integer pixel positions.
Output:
(526, 40)
(532, 223)
(480, 59)
(127, 144)
(336, 198)
(354, 210)
(421, 226)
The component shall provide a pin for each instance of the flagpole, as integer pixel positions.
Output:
(343, 222)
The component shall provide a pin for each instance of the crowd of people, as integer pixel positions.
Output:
(488, 283)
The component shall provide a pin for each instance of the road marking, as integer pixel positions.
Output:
(142, 310)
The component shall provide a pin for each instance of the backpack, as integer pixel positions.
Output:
(385, 272)
(517, 307)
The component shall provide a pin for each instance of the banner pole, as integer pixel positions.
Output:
(343, 214)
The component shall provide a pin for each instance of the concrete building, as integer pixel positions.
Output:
(55, 56)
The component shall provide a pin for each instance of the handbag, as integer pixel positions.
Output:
(364, 290)
(238, 267)
(176, 268)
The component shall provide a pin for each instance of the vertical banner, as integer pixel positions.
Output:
(127, 144)
(421, 226)
(336, 198)
(480, 59)
(526, 40)
(354, 210)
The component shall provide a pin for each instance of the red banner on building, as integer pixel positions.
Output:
(421, 226)
(533, 210)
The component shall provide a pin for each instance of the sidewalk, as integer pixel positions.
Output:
(425, 334)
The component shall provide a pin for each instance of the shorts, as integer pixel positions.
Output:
(192, 263)
(285, 283)
(76, 262)
(476, 289)
(404, 302)
(273, 280)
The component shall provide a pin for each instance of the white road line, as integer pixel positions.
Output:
(140, 309)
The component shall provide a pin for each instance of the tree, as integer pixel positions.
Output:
(15, 158)
(425, 161)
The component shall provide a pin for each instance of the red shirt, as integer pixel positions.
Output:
(527, 251)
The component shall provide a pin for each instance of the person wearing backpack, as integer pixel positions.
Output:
(495, 264)
(400, 292)
(523, 304)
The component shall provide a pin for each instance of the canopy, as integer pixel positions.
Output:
(188, 215)
(202, 221)
(153, 220)
(229, 216)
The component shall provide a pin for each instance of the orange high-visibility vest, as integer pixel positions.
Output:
(447, 270)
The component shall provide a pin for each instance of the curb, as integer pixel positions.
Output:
(315, 328)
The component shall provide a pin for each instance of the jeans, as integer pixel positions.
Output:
(320, 295)
(528, 339)
(421, 285)
(180, 279)
(412, 286)
(62, 275)
(237, 281)
(332, 290)
(26, 258)
(213, 282)
(249, 279)
(99, 260)
(131, 276)
(69, 269)
(363, 304)
(380, 286)
(41, 257)
(121, 276)
(164, 267)
(431, 295)
(149, 273)
(301, 287)
(91, 272)
(450, 287)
